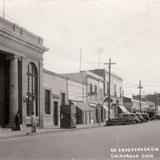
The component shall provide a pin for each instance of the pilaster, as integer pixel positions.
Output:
(13, 88)
(24, 91)
(41, 94)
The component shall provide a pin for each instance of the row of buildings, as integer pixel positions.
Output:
(86, 90)
(25, 85)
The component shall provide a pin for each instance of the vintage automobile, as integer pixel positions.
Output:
(123, 119)
(117, 121)
(156, 117)
(145, 116)
(140, 117)
(135, 118)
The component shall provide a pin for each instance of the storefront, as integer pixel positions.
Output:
(84, 113)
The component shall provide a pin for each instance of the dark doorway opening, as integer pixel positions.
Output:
(55, 113)
(4, 90)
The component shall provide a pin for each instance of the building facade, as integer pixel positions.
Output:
(21, 69)
(94, 93)
(26, 87)
(55, 95)
(116, 91)
(77, 96)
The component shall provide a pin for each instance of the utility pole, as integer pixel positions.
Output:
(109, 87)
(80, 59)
(140, 88)
(98, 92)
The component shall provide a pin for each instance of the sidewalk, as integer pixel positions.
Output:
(8, 133)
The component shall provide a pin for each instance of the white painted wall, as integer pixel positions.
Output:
(76, 91)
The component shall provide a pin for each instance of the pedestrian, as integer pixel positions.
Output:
(33, 122)
(18, 121)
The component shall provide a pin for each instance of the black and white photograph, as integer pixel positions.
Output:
(79, 80)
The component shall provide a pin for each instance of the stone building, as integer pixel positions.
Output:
(21, 74)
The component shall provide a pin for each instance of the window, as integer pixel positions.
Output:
(91, 88)
(120, 90)
(47, 102)
(95, 89)
(63, 98)
(115, 90)
(101, 93)
(95, 93)
(32, 88)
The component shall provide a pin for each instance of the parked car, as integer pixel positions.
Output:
(140, 117)
(145, 116)
(156, 117)
(118, 121)
(123, 119)
(135, 118)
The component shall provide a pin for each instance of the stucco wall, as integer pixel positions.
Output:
(95, 98)
(56, 85)
(114, 81)
(76, 91)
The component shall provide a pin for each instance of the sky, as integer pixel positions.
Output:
(127, 31)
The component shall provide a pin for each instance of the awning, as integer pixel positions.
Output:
(123, 108)
(83, 106)
(105, 106)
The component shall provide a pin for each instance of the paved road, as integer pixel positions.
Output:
(95, 143)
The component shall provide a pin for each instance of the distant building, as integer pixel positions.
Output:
(148, 107)
(116, 91)
(136, 106)
(77, 95)
(94, 92)
(25, 86)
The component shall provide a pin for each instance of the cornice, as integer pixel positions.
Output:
(95, 78)
(18, 39)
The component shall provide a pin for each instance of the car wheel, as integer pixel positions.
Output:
(114, 123)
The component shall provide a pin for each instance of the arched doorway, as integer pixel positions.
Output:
(32, 89)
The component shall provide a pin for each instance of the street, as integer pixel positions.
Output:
(96, 143)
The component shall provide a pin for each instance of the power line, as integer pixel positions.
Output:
(62, 53)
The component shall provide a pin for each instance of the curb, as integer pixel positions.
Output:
(47, 132)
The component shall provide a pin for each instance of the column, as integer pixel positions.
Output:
(24, 92)
(13, 96)
(41, 94)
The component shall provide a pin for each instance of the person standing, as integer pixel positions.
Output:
(33, 122)
(17, 119)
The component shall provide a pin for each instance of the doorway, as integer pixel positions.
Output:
(55, 117)
(4, 90)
